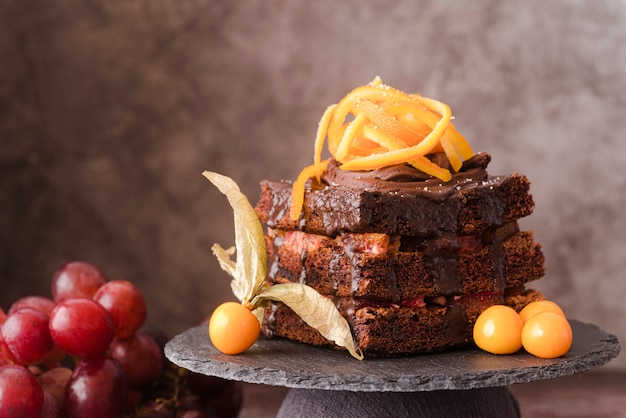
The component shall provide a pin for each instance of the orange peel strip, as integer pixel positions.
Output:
(463, 147)
(425, 165)
(460, 143)
(453, 157)
(416, 124)
(386, 122)
(362, 146)
(382, 138)
(399, 156)
(348, 136)
(297, 190)
(416, 107)
(322, 129)
(447, 145)
(426, 118)
(344, 107)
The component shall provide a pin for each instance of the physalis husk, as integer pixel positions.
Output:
(250, 268)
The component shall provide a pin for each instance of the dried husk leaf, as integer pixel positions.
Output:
(223, 256)
(316, 310)
(249, 270)
(259, 313)
(229, 266)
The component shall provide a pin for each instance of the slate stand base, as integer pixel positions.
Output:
(484, 402)
(301, 366)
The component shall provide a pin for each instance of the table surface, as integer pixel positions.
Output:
(294, 365)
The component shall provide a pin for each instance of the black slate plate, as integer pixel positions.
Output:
(295, 365)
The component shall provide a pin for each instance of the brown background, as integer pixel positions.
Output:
(110, 111)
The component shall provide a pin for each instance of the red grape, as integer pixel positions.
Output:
(46, 305)
(3, 357)
(134, 399)
(55, 357)
(76, 279)
(121, 369)
(54, 382)
(51, 408)
(25, 333)
(141, 358)
(5, 353)
(97, 389)
(43, 304)
(81, 327)
(20, 393)
(126, 305)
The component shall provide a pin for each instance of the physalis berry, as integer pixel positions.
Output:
(498, 330)
(541, 328)
(547, 335)
(233, 328)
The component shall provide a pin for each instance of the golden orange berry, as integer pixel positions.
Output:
(540, 306)
(233, 328)
(498, 330)
(547, 335)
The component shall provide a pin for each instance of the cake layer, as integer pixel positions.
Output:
(377, 267)
(394, 203)
(393, 330)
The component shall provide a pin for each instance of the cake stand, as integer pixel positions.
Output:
(299, 366)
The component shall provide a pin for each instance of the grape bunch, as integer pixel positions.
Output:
(87, 352)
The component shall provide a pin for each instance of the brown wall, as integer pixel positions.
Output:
(109, 112)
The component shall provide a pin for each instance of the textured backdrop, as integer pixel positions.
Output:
(109, 112)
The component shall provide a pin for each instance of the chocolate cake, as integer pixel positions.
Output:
(409, 259)
(406, 283)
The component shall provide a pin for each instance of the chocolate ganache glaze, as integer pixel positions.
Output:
(400, 200)
(407, 179)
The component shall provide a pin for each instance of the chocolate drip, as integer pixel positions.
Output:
(496, 253)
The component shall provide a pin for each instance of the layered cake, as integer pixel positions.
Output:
(409, 254)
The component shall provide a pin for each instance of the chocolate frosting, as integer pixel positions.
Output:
(398, 201)
(407, 179)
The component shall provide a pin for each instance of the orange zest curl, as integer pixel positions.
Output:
(376, 126)
(297, 190)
